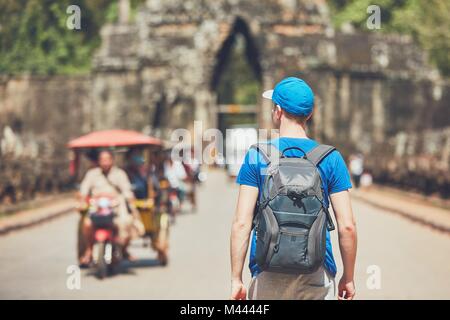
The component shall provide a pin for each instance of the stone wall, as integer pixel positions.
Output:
(38, 116)
(400, 125)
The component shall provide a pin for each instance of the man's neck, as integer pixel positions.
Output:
(106, 172)
(292, 130)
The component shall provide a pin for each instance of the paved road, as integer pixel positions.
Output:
(414, 261)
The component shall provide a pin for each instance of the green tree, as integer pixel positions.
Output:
(427, 21)
(34, 37)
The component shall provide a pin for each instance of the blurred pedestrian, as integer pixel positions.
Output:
(366, 180)
(356, 168)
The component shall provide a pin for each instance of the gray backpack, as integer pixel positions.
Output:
(290, 217)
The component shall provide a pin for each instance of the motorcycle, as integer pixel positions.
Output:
(170, 201)
(107, 251)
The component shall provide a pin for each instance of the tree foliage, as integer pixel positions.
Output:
(427, 21)
(34, 37)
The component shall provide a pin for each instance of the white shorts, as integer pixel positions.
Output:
(280, 286)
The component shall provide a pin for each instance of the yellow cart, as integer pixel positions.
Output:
(156, 224)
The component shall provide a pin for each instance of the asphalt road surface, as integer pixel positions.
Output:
(397, 259)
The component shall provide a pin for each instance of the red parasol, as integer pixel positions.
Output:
(112, 138)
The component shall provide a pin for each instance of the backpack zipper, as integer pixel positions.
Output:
(294, 233)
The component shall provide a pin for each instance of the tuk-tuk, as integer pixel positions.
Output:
(155, 219)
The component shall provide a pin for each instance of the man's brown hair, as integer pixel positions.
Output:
(299, 119)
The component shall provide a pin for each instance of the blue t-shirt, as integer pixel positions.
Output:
(334, 173)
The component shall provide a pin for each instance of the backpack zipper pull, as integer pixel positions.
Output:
(277, 245)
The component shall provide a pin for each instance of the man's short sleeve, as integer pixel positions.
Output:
(339, 177)
(249, 173)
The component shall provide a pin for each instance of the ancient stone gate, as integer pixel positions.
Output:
(175, 52)
(161, 71)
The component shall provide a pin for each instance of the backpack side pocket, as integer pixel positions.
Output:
(317, 241)
(266, 237)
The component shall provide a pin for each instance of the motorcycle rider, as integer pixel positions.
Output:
(192, 167)
(109, 179)
(175, 173)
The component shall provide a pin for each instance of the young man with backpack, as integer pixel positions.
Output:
(285, 188)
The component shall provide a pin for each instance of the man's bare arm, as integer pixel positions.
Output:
(240, 235)
(347, 241)
(84, 191)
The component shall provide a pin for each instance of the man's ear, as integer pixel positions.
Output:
(279, 112)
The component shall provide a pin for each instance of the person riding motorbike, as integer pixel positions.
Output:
(176, 175)
(192, 167)
(109, 179)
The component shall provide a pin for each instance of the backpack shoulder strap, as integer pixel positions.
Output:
(318, 153)
(268, 151)
(271, 154)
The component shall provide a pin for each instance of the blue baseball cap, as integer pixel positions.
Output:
(293, 95)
